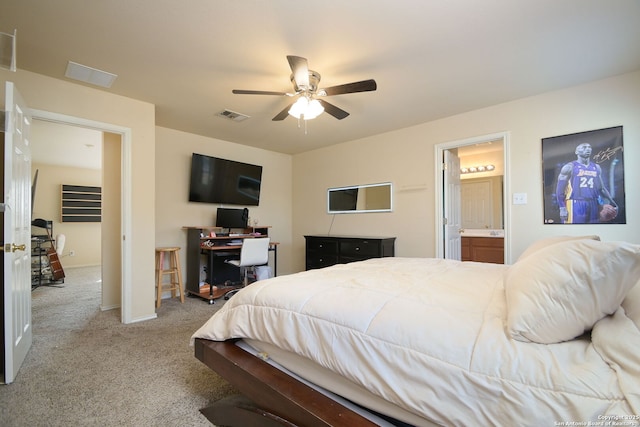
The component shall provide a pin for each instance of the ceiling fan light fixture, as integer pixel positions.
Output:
(306, 109)
(305, 84)
(314, 109)
(298, 107)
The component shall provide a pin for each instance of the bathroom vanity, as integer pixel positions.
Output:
(483, 246)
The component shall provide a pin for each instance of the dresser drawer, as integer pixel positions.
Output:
(322, 246)
(320, 261)
(360, 248)
(325, 251)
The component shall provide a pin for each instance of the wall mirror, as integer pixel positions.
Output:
(360, 198)
(481, 200)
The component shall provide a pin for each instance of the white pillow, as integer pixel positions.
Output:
(556, 294)
(631, 305)
(543, 243)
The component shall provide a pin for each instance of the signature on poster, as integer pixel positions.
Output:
(606, 154)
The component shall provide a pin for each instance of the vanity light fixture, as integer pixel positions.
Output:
(474, 169)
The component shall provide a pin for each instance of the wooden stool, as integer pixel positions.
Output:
(174, 273)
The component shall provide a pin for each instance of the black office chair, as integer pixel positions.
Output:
(40, 223)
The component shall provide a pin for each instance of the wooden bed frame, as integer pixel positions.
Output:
(271, 397)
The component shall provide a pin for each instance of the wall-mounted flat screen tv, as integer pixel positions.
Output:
(215, 180)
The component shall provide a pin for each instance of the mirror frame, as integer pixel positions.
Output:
(359, 187)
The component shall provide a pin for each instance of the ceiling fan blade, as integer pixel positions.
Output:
(282, 114)
(362, 86)
(300, 70)
(258, 92)
(336, 112)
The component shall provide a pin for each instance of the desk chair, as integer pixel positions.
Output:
(254, 252)
(60, 241)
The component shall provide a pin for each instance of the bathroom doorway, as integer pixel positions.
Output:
(482, 157)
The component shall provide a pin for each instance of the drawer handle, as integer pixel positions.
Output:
(357, 248)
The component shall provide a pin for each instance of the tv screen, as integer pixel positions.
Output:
(232, 218)
(215, 180)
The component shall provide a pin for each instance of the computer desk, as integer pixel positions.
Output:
(217, 249)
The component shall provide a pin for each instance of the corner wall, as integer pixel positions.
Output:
(174, 211)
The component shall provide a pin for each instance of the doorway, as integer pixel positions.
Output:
(62, 154)
(116, 220)
(443, 195)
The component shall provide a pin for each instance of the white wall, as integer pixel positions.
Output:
(110, 246)
(174, 211)
(405, 157)
(81, 237)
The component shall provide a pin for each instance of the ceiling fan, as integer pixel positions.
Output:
(310, 104)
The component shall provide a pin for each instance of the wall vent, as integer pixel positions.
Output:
(232, 115)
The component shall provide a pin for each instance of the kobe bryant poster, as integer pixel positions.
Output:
(583, 178)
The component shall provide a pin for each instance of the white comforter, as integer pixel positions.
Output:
(429, 336)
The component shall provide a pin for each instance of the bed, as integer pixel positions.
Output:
(553, 339)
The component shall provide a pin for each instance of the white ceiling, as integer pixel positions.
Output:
(64, 145)
(431, 59)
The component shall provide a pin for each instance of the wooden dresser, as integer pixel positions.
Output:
(323, 251)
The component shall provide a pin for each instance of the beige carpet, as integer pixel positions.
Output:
(85, 368)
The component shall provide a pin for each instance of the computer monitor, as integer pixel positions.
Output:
(232, 218)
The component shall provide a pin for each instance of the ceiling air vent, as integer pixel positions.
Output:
(232, 115)
(89, 75)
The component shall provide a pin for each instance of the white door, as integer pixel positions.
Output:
(452, 206)
(16, 209)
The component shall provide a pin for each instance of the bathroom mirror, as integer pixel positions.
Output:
(481, 203)
(360, 198)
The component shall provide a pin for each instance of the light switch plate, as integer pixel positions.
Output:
(519, 198)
